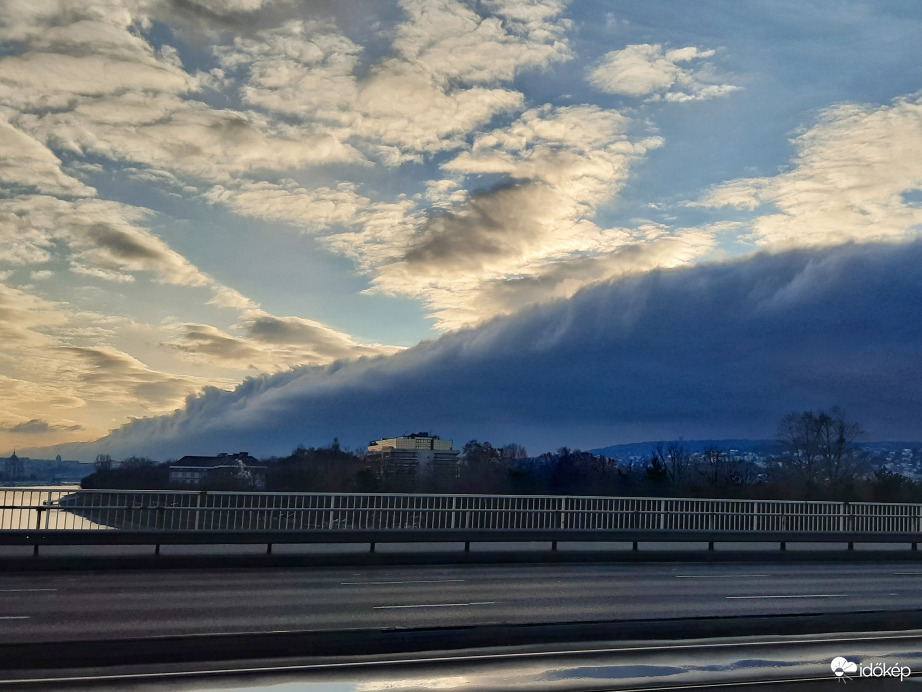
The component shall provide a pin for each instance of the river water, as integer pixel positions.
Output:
(17, 509)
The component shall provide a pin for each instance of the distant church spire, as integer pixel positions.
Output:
(13, 468)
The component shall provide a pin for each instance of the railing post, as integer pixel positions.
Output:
(199, 503)
(38, 526)
(454, 503)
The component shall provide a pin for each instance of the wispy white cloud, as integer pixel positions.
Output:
(648, 71)
(266, 343)
(27, 165)
(287, 201)
(848, 181)
(102, 238)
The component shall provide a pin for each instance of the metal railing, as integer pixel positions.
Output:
(184, 511)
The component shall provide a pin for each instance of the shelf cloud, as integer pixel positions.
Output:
(719, 350)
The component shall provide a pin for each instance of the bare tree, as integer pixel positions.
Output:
(822, 447)
(677, 462)
(715, 465)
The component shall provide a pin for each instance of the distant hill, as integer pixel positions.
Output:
(641, 449)
(763, 448)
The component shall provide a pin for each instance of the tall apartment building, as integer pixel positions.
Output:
(415, 455)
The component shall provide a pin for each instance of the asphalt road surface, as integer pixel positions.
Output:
(40, 607)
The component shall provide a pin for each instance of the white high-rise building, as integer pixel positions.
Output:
(415, 455)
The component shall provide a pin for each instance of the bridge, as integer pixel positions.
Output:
(754, 618)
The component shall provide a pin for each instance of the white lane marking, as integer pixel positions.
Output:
(22, 590)
(436, 605)
(806, 595)
(716, 576)
(15, 617)
(409, 581)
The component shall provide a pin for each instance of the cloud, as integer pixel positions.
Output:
(438, 87)
(50, 368)
(105, 373)
(87, 81)
(185, 137)
(709, 351)
(288, 202)
(27, 165)
(102, 238)
(269, 343)
(850, 181)
(452, 43)
(557, 166)
(36, 426)
(646, 70)
(22, 314)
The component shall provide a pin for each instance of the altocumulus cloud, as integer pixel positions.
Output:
(713, 350)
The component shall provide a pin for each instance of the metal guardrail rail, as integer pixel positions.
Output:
(144, 510)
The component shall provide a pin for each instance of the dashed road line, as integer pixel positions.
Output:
(23, 590)
(716, 576)
(435, 605)
(805, 595)
(409, 581)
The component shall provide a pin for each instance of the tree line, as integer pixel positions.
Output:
(820, 458)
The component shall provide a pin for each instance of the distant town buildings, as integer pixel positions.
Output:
(415, 455)
(194, 471)
(13, 469)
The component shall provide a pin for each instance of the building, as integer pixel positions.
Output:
(13, 468)
(194, 471)
(415, 455)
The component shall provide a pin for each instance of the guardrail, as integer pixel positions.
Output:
(32, 516)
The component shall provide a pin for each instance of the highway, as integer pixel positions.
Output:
(62, 606)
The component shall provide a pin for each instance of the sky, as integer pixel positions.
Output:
(252, 223)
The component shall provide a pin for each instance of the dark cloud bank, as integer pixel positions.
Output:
(714, 351)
